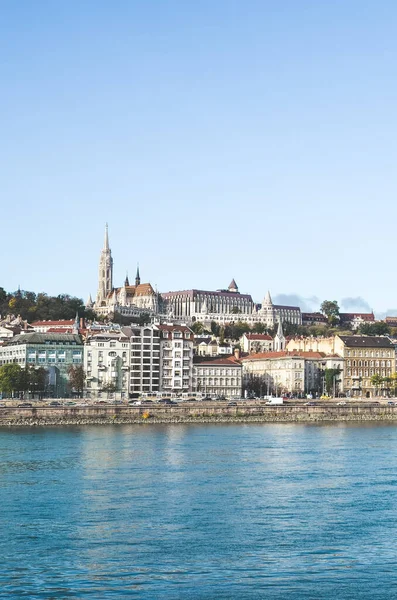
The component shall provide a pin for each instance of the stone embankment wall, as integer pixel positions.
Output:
(201, 413)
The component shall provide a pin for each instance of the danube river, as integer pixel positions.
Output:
(199, 512)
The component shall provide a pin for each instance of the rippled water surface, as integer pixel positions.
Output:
(199, 511)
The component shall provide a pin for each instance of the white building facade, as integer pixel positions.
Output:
(107, 365)
(176, 349)
(218, 377)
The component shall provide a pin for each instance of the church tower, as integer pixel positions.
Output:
(279, 340)
(137, 277)
(105, 280)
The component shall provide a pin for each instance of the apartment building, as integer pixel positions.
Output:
(145, 359)
(218, 376)
(176, 364)
(107, 365)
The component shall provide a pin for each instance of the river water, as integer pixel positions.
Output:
(199, 512)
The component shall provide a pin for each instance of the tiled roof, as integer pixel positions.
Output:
(223, 360)
(68, 322)
(144, 289)
(42, 338)
(289, 354)
(194, 293)
(366, 341)
(258, 336)
(181, 328)
(351, 316)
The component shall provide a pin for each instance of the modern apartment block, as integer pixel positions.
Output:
(176, 358)
(145, 359)
(107, 365)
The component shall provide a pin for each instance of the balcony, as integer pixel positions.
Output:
(101, 368)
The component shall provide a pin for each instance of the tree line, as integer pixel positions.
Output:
(16, 380)
(39, 307)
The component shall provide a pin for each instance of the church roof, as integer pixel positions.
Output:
(144, 289)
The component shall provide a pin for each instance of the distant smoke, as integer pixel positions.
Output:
(305, 304)
(390, 312)
(355, 305)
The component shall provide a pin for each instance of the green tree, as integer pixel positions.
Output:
(331, 379)
(76, 378)
(330, 309)
(10, 378)
(197, 327)
(380, 328)
(259, 328)
(109, 388)
(377, 381)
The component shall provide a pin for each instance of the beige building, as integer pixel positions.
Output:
(253, 343)
(285, 372)
(218, 377)
(364, 356)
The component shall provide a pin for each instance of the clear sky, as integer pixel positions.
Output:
(254, 139)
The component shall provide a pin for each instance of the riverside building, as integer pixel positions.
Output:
(218, 377)
(53, 351)
(107, 365)
(176, 347)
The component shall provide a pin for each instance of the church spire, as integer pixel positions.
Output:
(126, 281)
(268, 299)
(76, 323)
(106, 244)
(105, 280)
(279, 340)
(137, 277)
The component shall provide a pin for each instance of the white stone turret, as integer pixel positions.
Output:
(268, 299)
(279, 340)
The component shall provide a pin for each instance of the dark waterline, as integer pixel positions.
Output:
(199, 511)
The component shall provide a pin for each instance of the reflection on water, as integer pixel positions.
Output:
(199, 511)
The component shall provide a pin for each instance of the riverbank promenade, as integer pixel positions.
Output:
(42, 414)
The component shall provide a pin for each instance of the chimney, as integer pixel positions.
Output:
(82, 324)
(237, 353)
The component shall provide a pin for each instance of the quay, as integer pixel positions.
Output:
(198, 412)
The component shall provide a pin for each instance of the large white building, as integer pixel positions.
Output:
(145, 359)
(295, 372)
(227, 306)
(218, 376)
(176, 358)
(107, 365)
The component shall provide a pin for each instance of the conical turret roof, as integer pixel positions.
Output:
(232, 286)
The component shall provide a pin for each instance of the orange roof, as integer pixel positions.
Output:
(258, 336)
(67, 323)
(223, 360)
(144, 289)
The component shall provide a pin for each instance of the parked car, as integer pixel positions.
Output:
(390, 403)
(341, 403)
(55, 403)
(25, 405)
(232, 404)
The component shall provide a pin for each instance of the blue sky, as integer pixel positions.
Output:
(254, 140)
